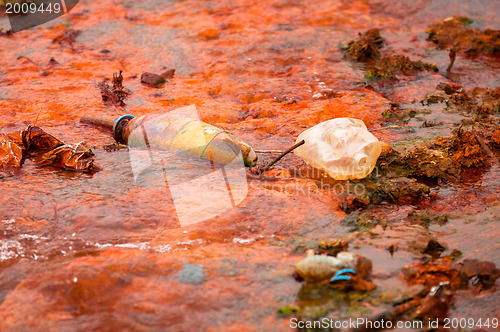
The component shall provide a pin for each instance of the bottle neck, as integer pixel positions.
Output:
(98, 121)
(120, 128)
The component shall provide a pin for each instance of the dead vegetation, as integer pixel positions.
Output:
(112, 91)
(454, 32)
(366, 48)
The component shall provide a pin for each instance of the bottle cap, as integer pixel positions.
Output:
(119, 126)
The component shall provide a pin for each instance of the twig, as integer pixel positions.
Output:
(390, 127)
(452, 54)
(284, 153)
(36, 120)
(269, 151)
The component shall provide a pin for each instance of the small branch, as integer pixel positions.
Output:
(284, 153)
(268, 151)
(452, 53)
(389, 127)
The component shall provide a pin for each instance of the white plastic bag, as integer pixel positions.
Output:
(342, 147)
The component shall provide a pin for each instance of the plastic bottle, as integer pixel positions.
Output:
(179, 131)
(342, 147)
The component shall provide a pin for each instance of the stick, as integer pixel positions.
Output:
(453, 54)
(287, 151)
(98, 121)
(268, 151)
(390, 127)
(36, 120)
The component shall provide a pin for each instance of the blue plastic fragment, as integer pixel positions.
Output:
(339, 275)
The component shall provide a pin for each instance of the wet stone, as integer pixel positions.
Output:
(495, 139)
(152, 79)
(366, 48)
(425, 217)
(419, 157)
(169, 73)
(333, 247)
(433, 249)
(487, 271)
(476, 100)
(377, 190)
(191, 274)
(359, 220)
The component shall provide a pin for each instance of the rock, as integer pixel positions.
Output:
(355, 283)
(366, 48)
(169, 73)
(67, 37)
(486, 271)
(151, 79)
(433, 249)
(432, 274)
(191, 274)
(419, 157)
(333, 247)
(436, 304)
(425, 218)
(359, 220)
(481, 101)
(376, 189)
(53, 63)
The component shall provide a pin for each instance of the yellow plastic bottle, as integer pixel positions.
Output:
(179, 131)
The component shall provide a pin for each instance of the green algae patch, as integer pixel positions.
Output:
(288, 310)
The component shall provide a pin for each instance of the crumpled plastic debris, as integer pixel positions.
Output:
(346, 271)
(44, 149)
(342, 147)
(316, 268)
